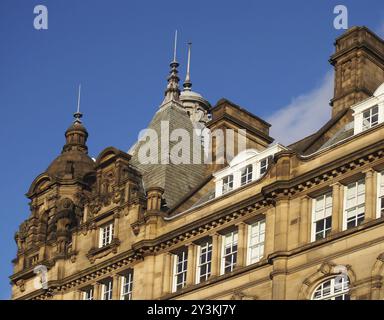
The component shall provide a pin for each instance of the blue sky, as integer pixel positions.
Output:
(270, 57)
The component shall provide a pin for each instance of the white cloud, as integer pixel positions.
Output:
(304, 114)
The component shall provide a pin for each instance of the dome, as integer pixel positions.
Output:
(379, 91)
(71, 164)
(77, 126)
(189, 96)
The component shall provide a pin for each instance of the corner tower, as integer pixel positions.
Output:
(359, 67)
(57, 199)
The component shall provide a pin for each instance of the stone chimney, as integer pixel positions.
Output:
(359, 67)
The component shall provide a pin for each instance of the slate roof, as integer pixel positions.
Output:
(177, 180)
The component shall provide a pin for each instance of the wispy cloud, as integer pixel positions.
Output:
(304, 114)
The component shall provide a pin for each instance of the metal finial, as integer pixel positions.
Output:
(78, 115)
(175, 47)
(187, 83)
(172, 92)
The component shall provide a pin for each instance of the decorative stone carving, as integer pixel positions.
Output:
(97, 253)
(238, 295)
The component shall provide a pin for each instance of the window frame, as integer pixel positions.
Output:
(263, 168)
(371, 123)
(246, 173)
(260, 243)
(229, 183)
(106, 234)
(107, 289)
(357, 206)
(333, 294)
(88, 293)
(126, 282)
(380, 195)
(233, 252)
(326, 216)
(183, 254)
(207, 247)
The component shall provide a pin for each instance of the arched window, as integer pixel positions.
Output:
(336, 288)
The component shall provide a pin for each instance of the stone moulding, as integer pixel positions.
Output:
(97, 253)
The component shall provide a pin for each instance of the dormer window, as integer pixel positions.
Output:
(249, 165)
(264, 165)
(227, 184)
(370, 118)
(246, 175)
(368, 113)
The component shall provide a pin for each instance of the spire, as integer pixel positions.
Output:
(187, 83)
(173, 92)
(76, 135)
(78, 115)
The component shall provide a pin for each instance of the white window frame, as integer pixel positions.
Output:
(262, 167)
(106, 234)
(204, 252)
(380, 195)
(180, 259)
(229, 241)
(88, 294)
(358, 206)
(256, 240)
(325, 212)
(247, 173)
(228, 182)
(338, 287)
(106, 289)
(367, 122)
(126, 286)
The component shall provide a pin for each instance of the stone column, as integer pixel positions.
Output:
(94, 235)
(116, 286)
(216, 255)
(116, 217)
(281, 238)
(269, 231)
(167, 273)
(191, 264)
(305, 221)
(279, 279)
(77, 295)
(370, 196)
(281, 224)
(97, 291)
(337, 207)
(241, 245)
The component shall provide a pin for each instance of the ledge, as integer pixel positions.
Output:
(97, 253)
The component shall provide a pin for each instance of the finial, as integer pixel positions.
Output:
(187, 83)
(78, 115)
(173, 92)
(175, 47)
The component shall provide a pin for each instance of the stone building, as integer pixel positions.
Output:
(303, 221)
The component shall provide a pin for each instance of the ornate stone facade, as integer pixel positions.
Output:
(112, 229)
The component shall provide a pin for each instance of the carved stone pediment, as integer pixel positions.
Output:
(97, 253)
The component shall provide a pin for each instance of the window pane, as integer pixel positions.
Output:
(336, 288)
